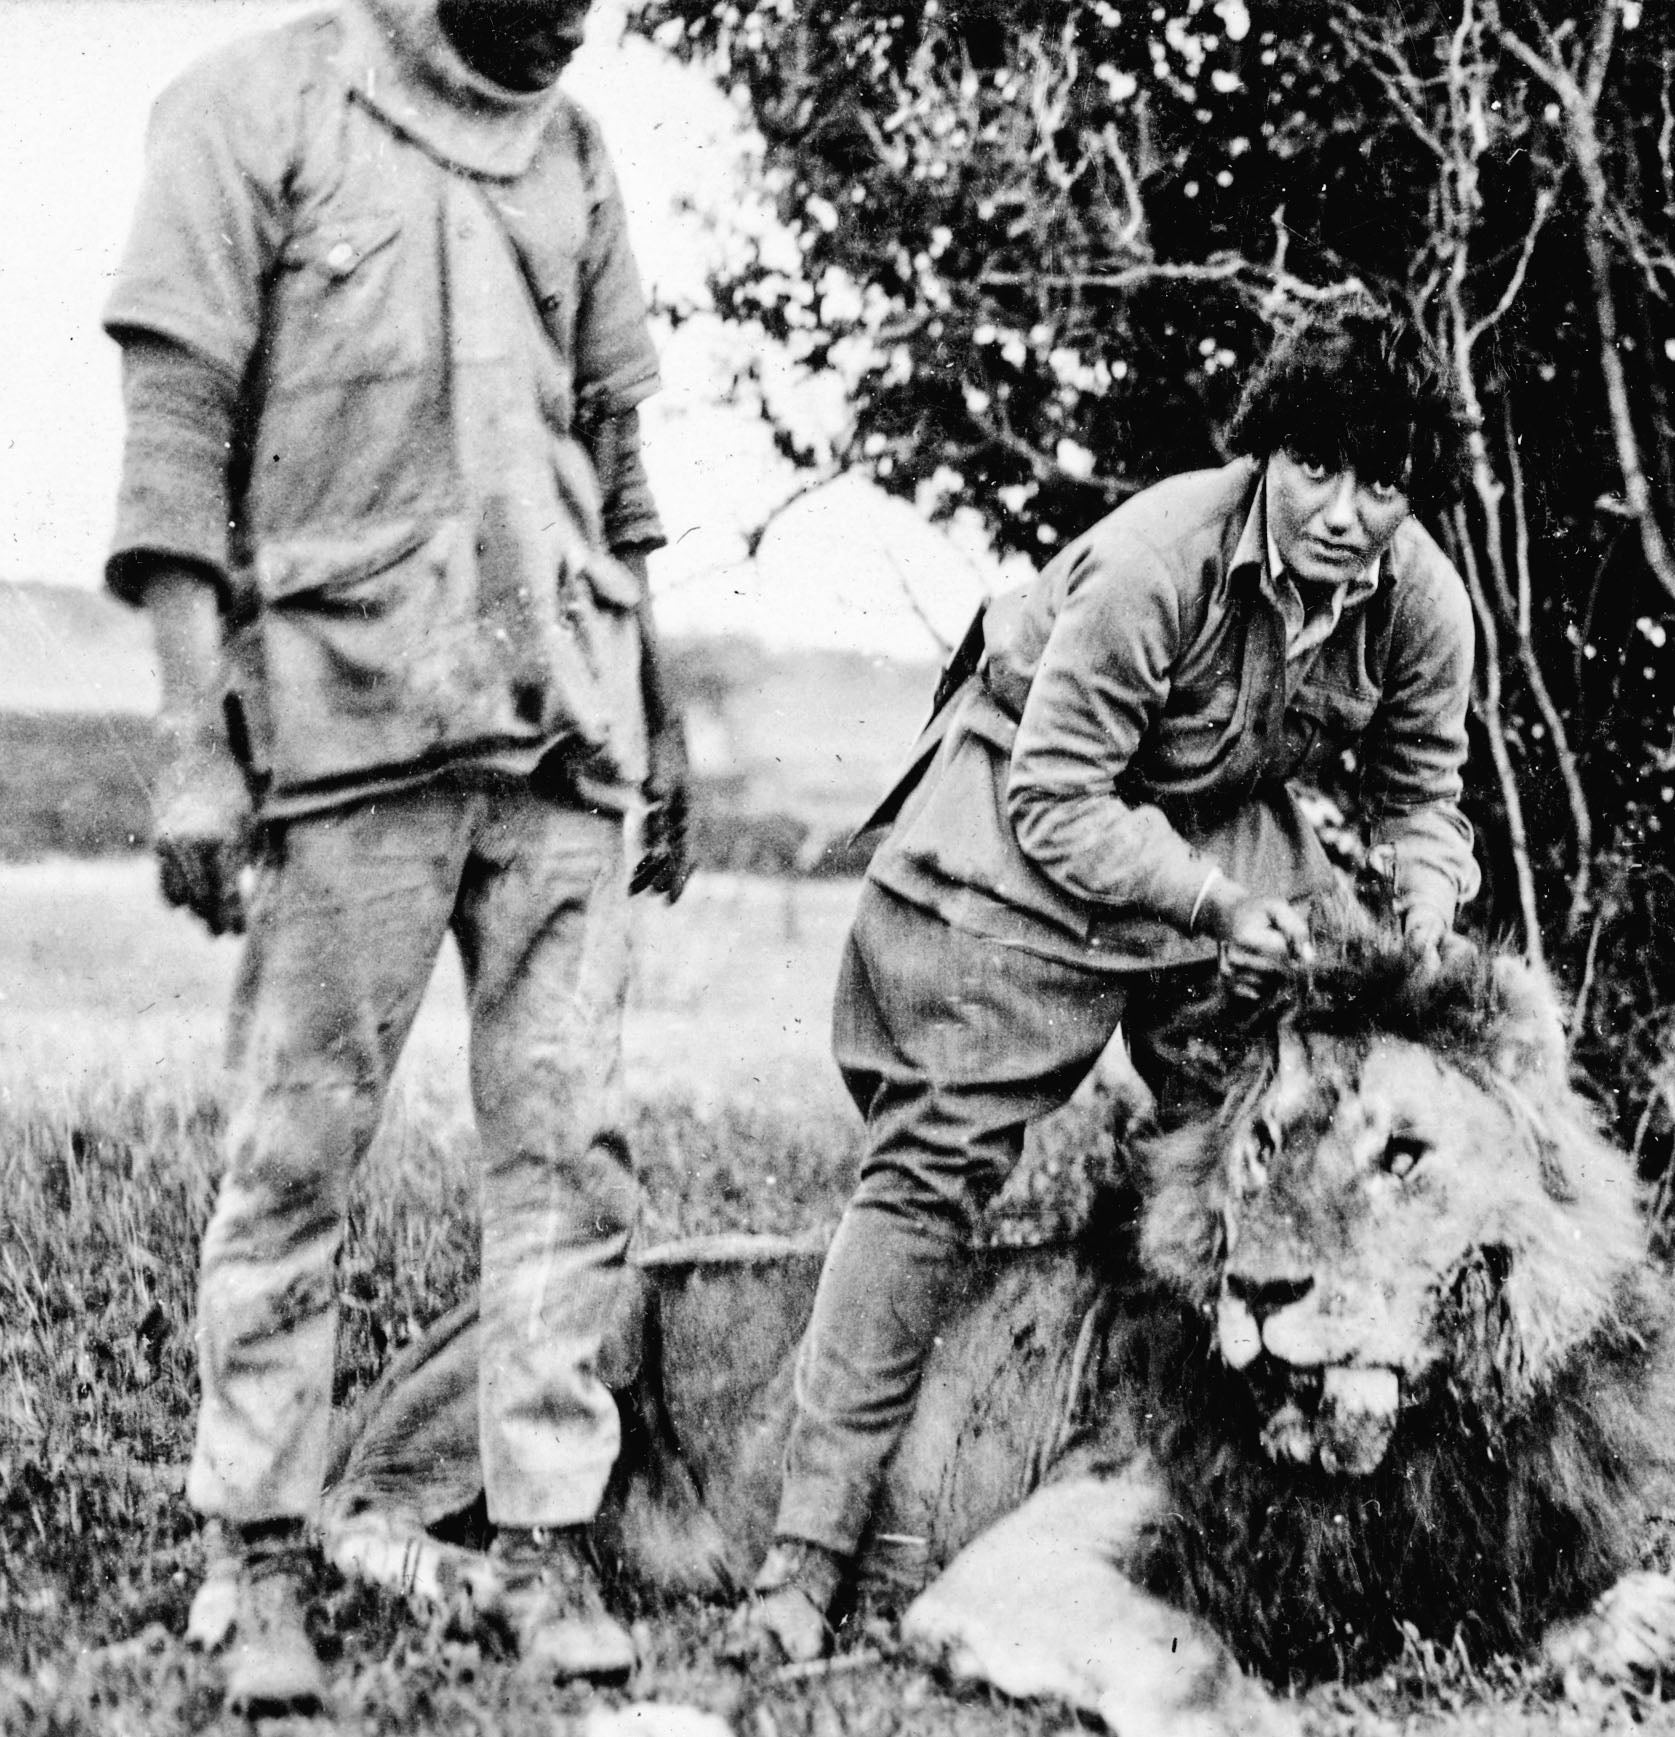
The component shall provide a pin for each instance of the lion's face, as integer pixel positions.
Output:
(1374, 1219)
(1355, 1199)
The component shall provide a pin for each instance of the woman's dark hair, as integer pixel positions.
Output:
(1358, 385)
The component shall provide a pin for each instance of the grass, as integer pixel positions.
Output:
(107, 1174)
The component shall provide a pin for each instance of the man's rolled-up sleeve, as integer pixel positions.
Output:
(1415, 750)
(172, 502)
(1104, 676)
(187, 307)
(631, 517)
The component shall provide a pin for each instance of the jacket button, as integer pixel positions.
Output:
(341, 255)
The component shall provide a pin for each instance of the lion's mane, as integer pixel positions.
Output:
(1516, 1489)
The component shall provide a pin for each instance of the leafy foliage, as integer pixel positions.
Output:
(1042, 243)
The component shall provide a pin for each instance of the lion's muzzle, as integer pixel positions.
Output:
(1340, 1416)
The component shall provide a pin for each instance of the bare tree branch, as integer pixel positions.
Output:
(1579, 101)
(1544, 202)
(1590, 958)
(1218, 270)
(1460, 206)
(1494, 722)
(754, 535)
(1222, 268)
(1402, 88)
(1132, 234)
(944, 645)
(999, 432)
(1576, 798)
(1666, 131)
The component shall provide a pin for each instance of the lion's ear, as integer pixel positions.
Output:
(1530, 1048)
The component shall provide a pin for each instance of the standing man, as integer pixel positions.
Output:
(383, 343)
(1101, 826)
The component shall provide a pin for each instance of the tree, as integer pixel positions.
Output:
(1042, 242)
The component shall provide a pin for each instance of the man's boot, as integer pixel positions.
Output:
(554, 1608)
(787, 1618)
(258, 1573)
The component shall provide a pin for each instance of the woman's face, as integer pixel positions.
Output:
(1329, 525)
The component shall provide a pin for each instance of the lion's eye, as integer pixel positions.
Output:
(1402, 1153)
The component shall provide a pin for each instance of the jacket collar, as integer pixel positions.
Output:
(1251, 550)
(395, 57)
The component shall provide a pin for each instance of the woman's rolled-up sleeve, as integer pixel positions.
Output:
(1104, 676)
(1415, 749)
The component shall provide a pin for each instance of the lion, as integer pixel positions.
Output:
(1379, 1350)
(1395, 1359)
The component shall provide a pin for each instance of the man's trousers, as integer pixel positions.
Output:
(348, 913)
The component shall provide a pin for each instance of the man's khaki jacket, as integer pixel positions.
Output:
(415, 278)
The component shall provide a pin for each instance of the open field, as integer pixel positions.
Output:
(730, 1000)
(109, 1114)
(791, 747)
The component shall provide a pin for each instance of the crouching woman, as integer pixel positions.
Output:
(1102, 825)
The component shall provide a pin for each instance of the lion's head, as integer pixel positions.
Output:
(1404, 1197)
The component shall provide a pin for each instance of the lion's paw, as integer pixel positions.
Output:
(1627, 1636)
(1239, 1707)
(1040, 1607)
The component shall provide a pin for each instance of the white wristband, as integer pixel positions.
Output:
(1210, 880)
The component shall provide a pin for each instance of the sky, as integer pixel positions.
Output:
(844, 568)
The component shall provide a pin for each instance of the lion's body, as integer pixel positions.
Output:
(1461, 1528)
(1395, 1357)
(1382, 1348)
(1505, 1279)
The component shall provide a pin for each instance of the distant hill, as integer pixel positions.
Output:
(816, 733)
(67, 649)
(791, 748)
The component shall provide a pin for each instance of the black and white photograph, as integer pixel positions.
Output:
(835, 876)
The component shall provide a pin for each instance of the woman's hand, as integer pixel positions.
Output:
(1264, 941)
(1430, 941)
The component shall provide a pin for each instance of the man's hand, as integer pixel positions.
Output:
(1264, 941)
(202, 828)
(202, 813)
(665, 866)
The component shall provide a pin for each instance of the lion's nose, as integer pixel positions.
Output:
(1265, 1297)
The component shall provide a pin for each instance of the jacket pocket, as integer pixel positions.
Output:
(379, 650)
(347, 304)
(1190, 742)
(332, 565)
(600, 601)
(1322, 722)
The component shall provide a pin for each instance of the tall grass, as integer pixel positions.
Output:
(107, 1187)
(107, 1175)
(105, 1191)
